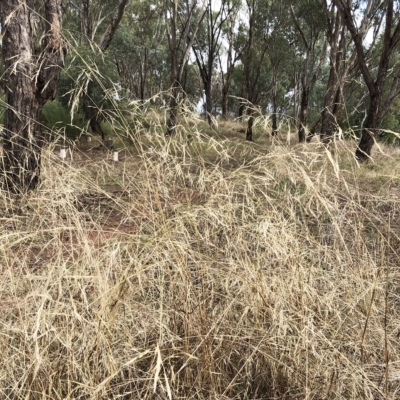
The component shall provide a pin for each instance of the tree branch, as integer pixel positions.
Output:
(108, 35)
(296, 23)
(357, 36)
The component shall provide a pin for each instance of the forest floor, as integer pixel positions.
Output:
(203, 267)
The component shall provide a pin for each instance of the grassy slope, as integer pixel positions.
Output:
(202, 268)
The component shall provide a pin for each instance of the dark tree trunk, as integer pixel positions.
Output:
(143, 75)
(89, 107)
(126, 76)
(379, 104)
(252, 68)
(173, 110)
(307, 81)
(227, 77)
(224, 102)
(209, 105)
(303, 115)
(250, 123)
(371, 125)
(92, 115)
(295, 97)
(180, 42)
(215, 20)
(86, 23)
(242, 107)
(175, 90)
(328, 118)
(336, 34)
(31, 81)
(328, 124)
(206, 72)
(274, 117)
(109, 33)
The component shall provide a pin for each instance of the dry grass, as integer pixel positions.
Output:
(202, 268)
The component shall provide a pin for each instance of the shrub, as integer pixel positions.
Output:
(56, 118)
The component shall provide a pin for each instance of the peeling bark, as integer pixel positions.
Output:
(30, 82)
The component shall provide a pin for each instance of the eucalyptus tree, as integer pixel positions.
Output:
(309, 21)
(279, 80)
(182, 20)
(98, 24)
(207, 46)
(382, 81)
(336, 34)
(140, 51)
(280, 52)
(92, 14)
(230, 53)
(267, 59)
(254, 57)
(344, 71)
(32, 72)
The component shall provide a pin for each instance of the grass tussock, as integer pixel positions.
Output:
(203, 268)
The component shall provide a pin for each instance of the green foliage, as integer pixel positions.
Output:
(56, 117)
(87, 70)
(192, 84)
(391, 124)
(107, 128)
(268, 72)
(140, 49)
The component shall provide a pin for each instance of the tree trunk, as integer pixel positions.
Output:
(295, 94)
(209, 105)
(175, 82)
(328, 120)
(250, 123)
(86, 23)
(179, 50)
(379, 106)
(173, 110)
(226, 84)
(227, 80)
(313, 129)
(175, 89)
(143, 75)
(92, 115)
(328, 124)
(371, 125)
(303, 115)
(242, 107)
(89, 107)
(337, 73)
(224, 102)
(30, 82)
(109, 33)
(274, 117)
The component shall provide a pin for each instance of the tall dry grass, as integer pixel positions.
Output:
(198, 269)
